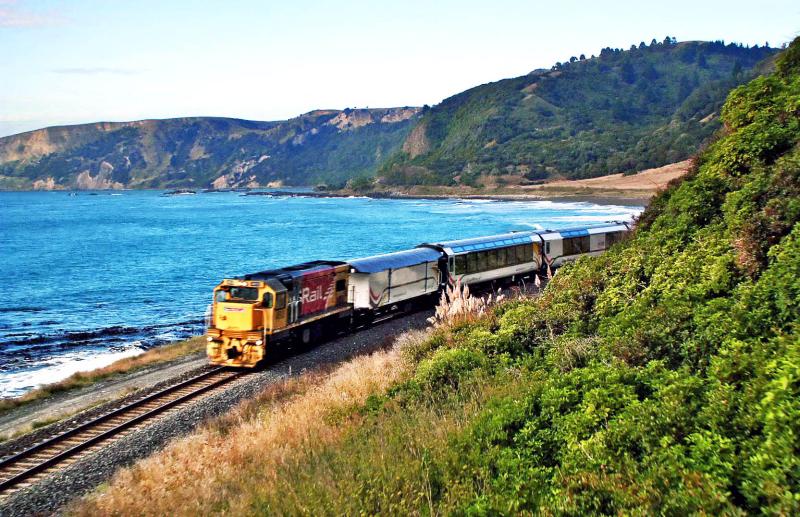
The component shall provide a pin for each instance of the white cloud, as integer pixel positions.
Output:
(13, 15)
(96, 70)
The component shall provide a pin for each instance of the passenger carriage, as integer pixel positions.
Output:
(484, 259)
(560, 246)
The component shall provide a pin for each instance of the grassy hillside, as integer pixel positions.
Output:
(660, 378)
(622, 111)
(322, 146)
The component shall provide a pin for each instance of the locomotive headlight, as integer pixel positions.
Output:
(209, 339)
(259, 342)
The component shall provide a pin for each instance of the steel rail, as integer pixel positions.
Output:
(59, 457)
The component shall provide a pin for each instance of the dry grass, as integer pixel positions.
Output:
(268, 445)
(218, 468)
(394, 462)
(81, 379)
(641, 187)
(458, 306)
(240, 459)
(650, 179)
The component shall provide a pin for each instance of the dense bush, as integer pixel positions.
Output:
(691, 401)
(662, 377)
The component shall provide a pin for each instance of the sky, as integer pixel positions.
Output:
(69, 62)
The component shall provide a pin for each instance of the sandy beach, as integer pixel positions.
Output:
(632, 189)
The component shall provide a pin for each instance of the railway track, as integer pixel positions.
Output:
(28, 466)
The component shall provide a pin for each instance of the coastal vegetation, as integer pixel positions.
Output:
(660, 377)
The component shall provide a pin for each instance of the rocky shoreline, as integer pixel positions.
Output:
(599, 198)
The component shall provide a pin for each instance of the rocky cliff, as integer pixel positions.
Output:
(323, 146)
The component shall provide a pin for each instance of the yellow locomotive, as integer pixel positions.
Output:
(252, 313)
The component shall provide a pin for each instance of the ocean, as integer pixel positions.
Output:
(97, 276)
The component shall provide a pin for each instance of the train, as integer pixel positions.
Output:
(256, 313)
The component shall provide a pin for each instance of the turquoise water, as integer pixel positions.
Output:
(91, 278)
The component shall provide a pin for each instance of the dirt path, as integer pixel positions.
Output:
(62, 405)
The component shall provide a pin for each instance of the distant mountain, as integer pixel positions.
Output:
(324, 146)
(622, 111)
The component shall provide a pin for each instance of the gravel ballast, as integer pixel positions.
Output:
(54, 491)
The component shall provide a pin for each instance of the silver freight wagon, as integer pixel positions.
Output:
(385, 281)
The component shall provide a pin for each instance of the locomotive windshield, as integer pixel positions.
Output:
(234, 294)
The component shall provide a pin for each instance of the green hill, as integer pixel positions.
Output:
(321, 146)
(622, 111)
(662, 377)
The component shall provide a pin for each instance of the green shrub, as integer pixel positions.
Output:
(417, 346)
(448, 368)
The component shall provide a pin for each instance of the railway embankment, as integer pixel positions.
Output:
(38, 420)
(52, 492)
(81, 391)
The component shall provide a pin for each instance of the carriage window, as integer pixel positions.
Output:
(511, 256)
(547, 247)
(568, 247)
(520, 252)
(266, 301)
(576, 245)
(613, 238)
(461, 265)
(482, 261)
(529, 252)
(472, 263)
(501, 257)
(340, 285)
(492, 259)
